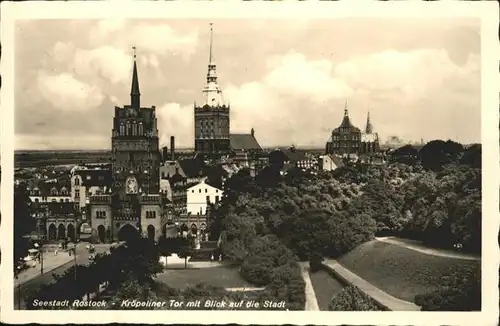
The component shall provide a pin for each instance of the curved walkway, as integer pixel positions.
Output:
(416, 246)
(311, 301)
(384, 299)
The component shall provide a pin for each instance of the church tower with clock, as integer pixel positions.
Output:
(135, 147)
(134, 206)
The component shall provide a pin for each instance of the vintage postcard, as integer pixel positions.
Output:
(251, 163)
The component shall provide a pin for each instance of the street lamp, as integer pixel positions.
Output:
(74, 259)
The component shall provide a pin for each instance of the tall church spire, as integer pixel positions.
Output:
(369, 127)
(135, 94)
(346, 112)
(210, 56)
(212, 91)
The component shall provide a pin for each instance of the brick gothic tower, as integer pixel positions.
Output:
(211, 120)
(346, 138)
(135, 154)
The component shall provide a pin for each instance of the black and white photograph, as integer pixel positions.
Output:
(254, 163)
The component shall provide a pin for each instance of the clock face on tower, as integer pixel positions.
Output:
(131, 185)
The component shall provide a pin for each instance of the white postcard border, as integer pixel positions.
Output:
(488, 11)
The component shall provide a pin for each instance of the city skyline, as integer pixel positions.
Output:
(269, 78)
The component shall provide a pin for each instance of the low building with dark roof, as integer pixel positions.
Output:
(294, 158)
(193, 169)
(170, 168)
(244, 142)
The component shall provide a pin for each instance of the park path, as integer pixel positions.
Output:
(383, 298)
(311, 301)
(416, 246)
(240, 289)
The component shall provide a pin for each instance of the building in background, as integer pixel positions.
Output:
(87, 181)
(330, 162)
(211, 119)
(348, 139)
(294, 158)
(200, 196)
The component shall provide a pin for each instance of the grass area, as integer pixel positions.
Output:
(225, 277)
(402, 272)
(325, 287)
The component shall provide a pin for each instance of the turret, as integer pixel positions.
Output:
(369, 127)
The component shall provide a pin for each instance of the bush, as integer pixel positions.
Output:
(459, 293)
(315, 262)
(352, 299)
(265, 254)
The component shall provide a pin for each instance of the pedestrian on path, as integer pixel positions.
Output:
(55, 252)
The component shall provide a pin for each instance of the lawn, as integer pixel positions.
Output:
(325, 287)
(225, 277)
(402, 272)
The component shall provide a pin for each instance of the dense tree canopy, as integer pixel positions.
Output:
(432, 195)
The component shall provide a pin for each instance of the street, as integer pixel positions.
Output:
(30, 286)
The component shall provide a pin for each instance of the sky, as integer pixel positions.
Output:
(288, 79)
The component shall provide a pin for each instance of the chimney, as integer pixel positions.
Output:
(252, 132)
(165, 153)
(172, 148)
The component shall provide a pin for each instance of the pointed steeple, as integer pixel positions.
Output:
(212, 91)
(369, 127)
(135, 94)
(210, 56)
(346, 122)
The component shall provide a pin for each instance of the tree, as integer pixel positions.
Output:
(406, 154)
(315, 261)
(310, 233)
(24, 223)
(472, 156)
(438, 153)
(458, 293)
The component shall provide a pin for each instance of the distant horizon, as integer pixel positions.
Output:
(182, 149)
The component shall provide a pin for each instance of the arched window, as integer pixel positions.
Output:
(77, 181)
(128, 132)
(141, 129)
(53, 192)
(134, 129)
(122, 129)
